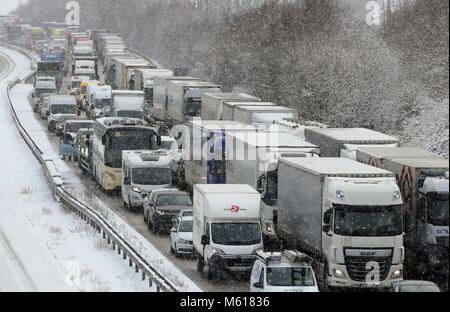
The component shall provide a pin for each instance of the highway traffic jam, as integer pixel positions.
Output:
(243, 190)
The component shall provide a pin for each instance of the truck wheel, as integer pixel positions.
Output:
(325, 277)
(154, 228)
(210, 274)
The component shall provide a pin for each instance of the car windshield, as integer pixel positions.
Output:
(438, 212)
(76, 84)
(238, 233)
(187, 213)
(419, 288)
(173, 200)
(368, 220)
(74, 127)
(152, 176)
(185, 226)
(102, 103)
(63, 109)
(290, 276)
(126, 140)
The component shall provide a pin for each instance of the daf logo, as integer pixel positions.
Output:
(368, 253)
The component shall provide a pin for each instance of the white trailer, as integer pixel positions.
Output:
(212, 103)
(160, 95)
(252, 158)
(344, 142)
(185, 99)
(423, 181)
(128, 103)
(226, 231)
(229, 107)
(263, 115)
(344, 214)
(124, 79)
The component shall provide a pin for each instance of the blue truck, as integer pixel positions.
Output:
(52, 65)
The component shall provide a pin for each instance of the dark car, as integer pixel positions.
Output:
(162, 207)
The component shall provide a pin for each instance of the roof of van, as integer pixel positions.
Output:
(63, 99)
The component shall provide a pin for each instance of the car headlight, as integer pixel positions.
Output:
(397, 274)
(137, 190)
(217, 251)
(257, 250)
(183, 241)
(396, 195)
(338, 273)
(340, 195)
(160, 212)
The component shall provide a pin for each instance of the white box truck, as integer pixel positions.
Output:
(212, 103)
(343, 142)
(229, 107)
(128, 103)
(185, 99)
(252, 158)
(226, 230)
(124, 76)
(263, 115)
(423, 181)
(344, 214)
(160, 95)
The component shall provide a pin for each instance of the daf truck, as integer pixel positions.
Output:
(423, 181)
(226, 232)
(212, 103)
(343, 142)
(344, 214)
(252, 158)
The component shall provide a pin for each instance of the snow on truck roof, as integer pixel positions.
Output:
(220, 124)
(355, 135)
(335, 167)
(270, 139)
(225, 189)
(143, 158)
(231, 96)
(232, 103)
(397, 152)
(195, 84)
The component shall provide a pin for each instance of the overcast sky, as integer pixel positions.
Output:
(9, 5)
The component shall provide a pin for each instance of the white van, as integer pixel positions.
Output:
(85, 68)
(101, 102)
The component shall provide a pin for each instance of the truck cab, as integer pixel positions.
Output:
(128, 103)
(287, 271)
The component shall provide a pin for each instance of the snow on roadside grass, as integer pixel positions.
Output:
(90, 264)
(138, 242)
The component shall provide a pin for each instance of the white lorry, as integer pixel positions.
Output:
(344, 142)
(185, 99)
(263, 115)
(423, 181)
(252, 158)
(296, 129)
(124, 76)
(227, 231)
(85, 68)
(143, 172)
(344, 214)
(229, 107)
(212, 103)
(128, 103)
(160, 95)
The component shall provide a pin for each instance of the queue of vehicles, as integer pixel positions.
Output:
(348, 208)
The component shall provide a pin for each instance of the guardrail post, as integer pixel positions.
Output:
(130, 263)
(109, 240)
(114, 245)
(104, 235)
(136, 268)
(143, 275)
(158, 288)
(150, 282)
(124, 255)
(118, 250)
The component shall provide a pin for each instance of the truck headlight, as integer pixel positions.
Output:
(217, 251)
(340, 195)
(270, 229)
(338, 273)
(397, 274)
(396, 195)
(137, 190)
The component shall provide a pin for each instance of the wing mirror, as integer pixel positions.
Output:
(205, 239)
(127, 181)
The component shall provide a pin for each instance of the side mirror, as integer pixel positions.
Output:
(78, 112)
(205, 240)
(127, 181)
(261, 182)
(33, 96)
(103, 140)
(48, 113)
(326, 228)
(258, 285)
(158, 140)
(68, 88)
(327, 217)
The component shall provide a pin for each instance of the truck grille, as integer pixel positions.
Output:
(239, 262)
(356, 267)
